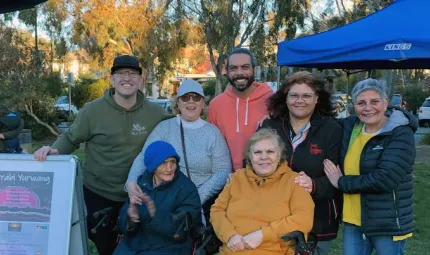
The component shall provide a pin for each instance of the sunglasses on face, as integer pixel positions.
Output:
(187, 97)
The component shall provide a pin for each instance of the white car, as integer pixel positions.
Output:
(424, 113)
(62, 105)
(165, 103)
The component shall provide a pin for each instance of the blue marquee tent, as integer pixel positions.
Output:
(396, 37)
(17, 5)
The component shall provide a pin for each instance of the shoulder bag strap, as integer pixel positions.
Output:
(183, 149)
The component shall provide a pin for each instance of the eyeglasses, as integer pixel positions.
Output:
(187, 97)
(131, 74)
(306, 97)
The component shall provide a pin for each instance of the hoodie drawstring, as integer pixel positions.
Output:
(237, 115)
(246, 112)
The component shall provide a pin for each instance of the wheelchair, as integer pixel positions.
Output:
(202, 236)
(303, 247)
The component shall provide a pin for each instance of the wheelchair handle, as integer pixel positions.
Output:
(179, 216)
(105, 211)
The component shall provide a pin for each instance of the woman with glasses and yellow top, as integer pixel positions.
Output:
(302, 115)
(206, 158)
(377, 155)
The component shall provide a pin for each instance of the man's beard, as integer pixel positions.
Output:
(244, 87)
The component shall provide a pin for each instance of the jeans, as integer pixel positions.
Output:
(13, 145)
(355, 242)
(323, 247)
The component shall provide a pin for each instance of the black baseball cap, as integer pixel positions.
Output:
(126, 61)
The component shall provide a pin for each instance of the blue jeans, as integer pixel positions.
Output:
(13, 145)
(355, 242)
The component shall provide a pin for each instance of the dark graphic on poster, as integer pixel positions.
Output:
(25, 196)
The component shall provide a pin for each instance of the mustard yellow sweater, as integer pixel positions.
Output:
(274, 204)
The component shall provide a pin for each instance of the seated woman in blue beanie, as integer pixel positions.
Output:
(152, 228)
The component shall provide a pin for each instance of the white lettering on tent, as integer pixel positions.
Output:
(399, 46)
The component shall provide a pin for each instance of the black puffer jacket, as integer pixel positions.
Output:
(322, 142)
(385, 180)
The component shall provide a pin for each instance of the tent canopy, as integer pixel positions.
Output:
(17, 5)
(396, 37)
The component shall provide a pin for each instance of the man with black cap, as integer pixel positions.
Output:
(114, 129)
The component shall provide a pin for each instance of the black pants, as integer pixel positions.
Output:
(105, 238)
(213, 246)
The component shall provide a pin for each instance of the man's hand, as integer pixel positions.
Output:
(235, 243)
(253, 240)
(260, 122)
(1, 136)
(304, 181)
(42, 153)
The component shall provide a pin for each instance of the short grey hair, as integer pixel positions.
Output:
(265, 134)
(370, 84)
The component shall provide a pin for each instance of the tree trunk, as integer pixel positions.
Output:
(218, 85)
(338, 9)
(51, 129)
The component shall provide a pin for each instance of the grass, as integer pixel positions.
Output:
(418, 244)
(425, 140)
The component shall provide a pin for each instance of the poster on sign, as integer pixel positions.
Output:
(39, 206)
(25, 211)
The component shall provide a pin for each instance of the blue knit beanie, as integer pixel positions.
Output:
(156, 153)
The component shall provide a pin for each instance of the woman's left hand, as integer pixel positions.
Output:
(333, 172)
(304, 181)
(253, 240)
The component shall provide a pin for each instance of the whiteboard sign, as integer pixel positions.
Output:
(37, 202)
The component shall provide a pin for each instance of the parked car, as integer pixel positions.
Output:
(424, 113)
(340, 109)
(397, 100)
(165, 103)
(62, 105)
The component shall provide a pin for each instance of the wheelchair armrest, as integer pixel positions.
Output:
(302, 246)
(296, 235)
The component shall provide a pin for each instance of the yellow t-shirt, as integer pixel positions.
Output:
(352, 202)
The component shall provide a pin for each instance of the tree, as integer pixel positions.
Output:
(22, 87)
(152, 30)
(231, 24)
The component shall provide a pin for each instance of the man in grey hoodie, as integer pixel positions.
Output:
(114, 129)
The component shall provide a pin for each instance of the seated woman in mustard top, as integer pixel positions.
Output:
(262, 203)
(377, 155)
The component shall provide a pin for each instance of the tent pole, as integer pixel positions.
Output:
(278, 78)
(347, 87)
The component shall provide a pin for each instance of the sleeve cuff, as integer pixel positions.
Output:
(313, 187)
(228, 235)
(267, 233)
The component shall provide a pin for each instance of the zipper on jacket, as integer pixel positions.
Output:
(329, 212)
(395, 209)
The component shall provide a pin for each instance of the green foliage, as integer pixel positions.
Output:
(414, 95)
(87, 89)
(55, 87)
(209, 86)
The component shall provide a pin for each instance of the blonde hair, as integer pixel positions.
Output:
(265, 134)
